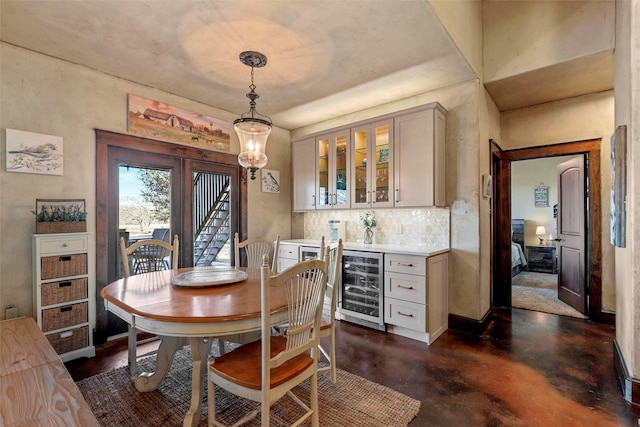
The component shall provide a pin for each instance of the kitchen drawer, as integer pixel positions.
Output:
(64, 291)
(406, 287)
(407, 264)
(288, 251)
(68, 244)
(406, 314)
(64, 317)
(56, 266)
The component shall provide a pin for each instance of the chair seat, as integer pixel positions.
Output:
(243, 366)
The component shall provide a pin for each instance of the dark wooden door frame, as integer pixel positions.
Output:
(106, 179)
(501, 218)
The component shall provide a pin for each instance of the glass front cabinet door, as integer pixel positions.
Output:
(333, 171)
(372, 165)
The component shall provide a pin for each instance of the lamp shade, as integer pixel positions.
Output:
(252, 134)
(540, 230)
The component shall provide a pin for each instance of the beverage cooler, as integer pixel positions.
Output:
(361, 289)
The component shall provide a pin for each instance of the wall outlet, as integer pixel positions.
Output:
(11, 312)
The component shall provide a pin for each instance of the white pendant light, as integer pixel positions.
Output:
(252, 131)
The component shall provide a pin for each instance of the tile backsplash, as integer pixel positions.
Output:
(414, 227)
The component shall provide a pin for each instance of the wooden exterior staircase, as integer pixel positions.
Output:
(212, 230)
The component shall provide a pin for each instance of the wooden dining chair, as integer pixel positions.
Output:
(255, 249)
(267, 369)
(333, 258)
(148, 255)
(144, 256)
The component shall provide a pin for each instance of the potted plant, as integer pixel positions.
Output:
(368, 222)
(60, 216)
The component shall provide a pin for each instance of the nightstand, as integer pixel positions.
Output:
(542, 258)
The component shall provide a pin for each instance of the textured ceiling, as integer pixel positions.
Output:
(325, 59)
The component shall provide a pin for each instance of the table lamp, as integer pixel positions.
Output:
(540, 232)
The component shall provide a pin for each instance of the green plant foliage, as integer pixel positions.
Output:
(73, 212)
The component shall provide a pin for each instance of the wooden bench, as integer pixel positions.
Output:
(35, 386)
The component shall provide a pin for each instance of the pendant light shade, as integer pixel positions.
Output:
(252, 131)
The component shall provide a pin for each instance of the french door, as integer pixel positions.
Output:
(203, 194)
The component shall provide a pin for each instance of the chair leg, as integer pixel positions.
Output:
(132, 350)
(212, 401)
(315, 419)
(332, 361)
(221, 346)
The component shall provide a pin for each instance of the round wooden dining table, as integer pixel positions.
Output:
(189, 315)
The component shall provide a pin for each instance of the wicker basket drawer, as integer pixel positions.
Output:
(59, 292)
(66, 341)
(64, 317)
(53, 267)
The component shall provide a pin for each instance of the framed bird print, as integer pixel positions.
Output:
(270, 181)
(30, 152)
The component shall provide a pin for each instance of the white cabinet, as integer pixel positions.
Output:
(333, 173)
(372, 164)
(419, 158)
(287, 256)
(64, 292)
(416, 299)
(396, 160)
(304, 175)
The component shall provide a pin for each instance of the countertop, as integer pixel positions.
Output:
(396, 249)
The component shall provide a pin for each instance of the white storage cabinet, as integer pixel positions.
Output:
(64, 292)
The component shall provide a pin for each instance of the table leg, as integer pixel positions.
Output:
(149, 381)
(200, 348)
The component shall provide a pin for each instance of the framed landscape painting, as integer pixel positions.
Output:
(162, 121)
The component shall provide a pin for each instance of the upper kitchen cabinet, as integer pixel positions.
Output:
(372, 164)
(304, 175)
(332, 178)
(395, 160)
(419, 157)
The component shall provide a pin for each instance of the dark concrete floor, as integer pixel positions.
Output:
(528, 369)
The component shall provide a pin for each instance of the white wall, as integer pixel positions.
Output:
(45, 95)
(526, 175)
(521, 36)
(627, 107)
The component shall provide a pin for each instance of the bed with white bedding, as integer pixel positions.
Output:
(518, 260)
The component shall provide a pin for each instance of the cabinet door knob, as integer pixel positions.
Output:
(64, 245)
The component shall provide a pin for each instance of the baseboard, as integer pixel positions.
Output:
(608, 317)
(630, 386)
(470, 326)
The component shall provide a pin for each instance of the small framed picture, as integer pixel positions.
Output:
(541, 196)
(30, 152)
(270, 181)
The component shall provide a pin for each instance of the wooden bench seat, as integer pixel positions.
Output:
(35, 386)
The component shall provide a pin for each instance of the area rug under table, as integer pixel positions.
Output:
(352, 401)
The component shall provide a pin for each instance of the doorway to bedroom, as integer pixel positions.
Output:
(501, 208)
(534, 224)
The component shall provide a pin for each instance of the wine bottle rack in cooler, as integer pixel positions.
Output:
(361, 294)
